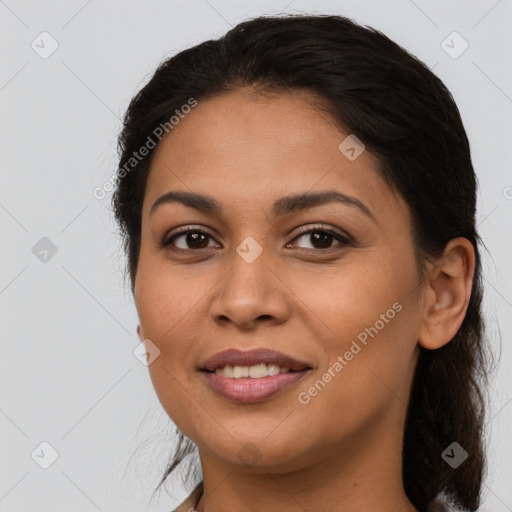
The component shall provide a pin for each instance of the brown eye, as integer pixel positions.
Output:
(322, 239)
(189, 240)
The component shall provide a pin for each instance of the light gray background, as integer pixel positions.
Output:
(67, 370)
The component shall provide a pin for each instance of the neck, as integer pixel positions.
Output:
(364, 474)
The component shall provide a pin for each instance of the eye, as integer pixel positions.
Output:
(321, 238)
(190, 239)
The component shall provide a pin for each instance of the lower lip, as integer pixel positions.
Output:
(248, 390)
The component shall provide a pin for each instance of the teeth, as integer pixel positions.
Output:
(256, 371)
(228, 371)
(240, 371)
(273, 369)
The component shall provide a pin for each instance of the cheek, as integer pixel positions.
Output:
(361, 383)
(352, 296)
(167, 304)
(367, 320)
(162, 313)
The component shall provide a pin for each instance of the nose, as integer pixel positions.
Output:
(250, 294)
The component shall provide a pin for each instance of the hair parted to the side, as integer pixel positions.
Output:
(409, 121)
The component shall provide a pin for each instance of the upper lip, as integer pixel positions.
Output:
(235, 357)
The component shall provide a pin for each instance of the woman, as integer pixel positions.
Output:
(297, 201)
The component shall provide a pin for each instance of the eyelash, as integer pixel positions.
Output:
(166, 242)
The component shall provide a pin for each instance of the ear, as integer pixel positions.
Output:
(139, 333)
(447, 294)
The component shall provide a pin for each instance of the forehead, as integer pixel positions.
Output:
(248, 147)
(236, 125)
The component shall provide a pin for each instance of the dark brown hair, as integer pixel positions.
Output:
(409, 121)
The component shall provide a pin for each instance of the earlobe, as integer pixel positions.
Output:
(447, 294)
(139, 333)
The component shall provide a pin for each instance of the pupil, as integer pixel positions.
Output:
(318, 239)
(195, 239)
(323, 238)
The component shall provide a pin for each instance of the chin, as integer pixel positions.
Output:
(257, 451)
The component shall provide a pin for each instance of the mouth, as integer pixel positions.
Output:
(252, 376)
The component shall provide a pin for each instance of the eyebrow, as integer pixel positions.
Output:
(281, 207)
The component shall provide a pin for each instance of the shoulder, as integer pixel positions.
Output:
(189, 505)
(438, 505)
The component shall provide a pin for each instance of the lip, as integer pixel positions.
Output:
(235, 357)
(246, 389)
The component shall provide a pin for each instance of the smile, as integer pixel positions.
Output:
(256, 371)
(249, 390)
(249, 376)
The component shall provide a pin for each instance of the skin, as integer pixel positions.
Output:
(342, 450)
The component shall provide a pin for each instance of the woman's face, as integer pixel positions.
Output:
(246, 278)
